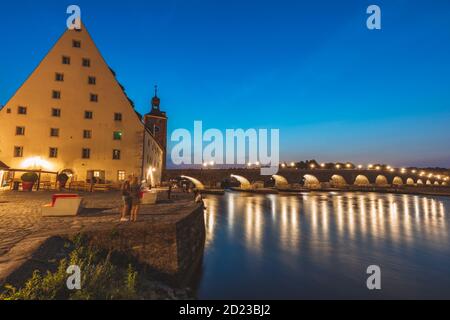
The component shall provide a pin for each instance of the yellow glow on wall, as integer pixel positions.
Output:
(36, 163)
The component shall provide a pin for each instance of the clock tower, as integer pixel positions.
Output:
(156, 122)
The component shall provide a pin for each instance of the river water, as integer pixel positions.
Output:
(319, 246)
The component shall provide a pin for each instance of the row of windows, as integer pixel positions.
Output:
(59, 77)
(53, 153)
(54, 132)
(57, 95)
(56, 112)
(85, 62)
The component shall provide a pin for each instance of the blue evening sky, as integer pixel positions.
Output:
(336, 90)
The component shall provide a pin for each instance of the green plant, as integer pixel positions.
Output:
(100, 279)
(29, 177)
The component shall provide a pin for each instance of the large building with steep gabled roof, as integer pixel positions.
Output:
(72, 115)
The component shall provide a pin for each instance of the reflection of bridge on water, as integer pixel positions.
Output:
(309, 178)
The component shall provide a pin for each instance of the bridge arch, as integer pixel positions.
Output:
(198, 184)
(338, 181)
(362, 180)
(311, 181)
(280, 181)
(245, 184)
(410, 181)
(419, 181)
(436, 183)
(381, 180)
(428, 182)
(397, 181)
(444, 183)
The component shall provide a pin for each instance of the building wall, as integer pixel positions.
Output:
(36, 95)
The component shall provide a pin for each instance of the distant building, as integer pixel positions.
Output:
(72, 115)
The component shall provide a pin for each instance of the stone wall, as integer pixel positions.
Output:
(170, 250)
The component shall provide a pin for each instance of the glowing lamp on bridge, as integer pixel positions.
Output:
(360, 166)
(392, 170)
(283, 165)
(348, 165)
(389, 167)
(378, 168)
(338, 166)
(312, 166)
(403, 170)
(292, 164)
(211, 163)
(205, 164)
(370, 166)
(322, 165)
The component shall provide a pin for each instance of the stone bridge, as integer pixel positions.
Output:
(311, 178)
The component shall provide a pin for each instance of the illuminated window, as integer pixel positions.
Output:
(117, 135)
(53, 153)
(20, 131)
(18, 152)
(96, 174)
(116, 154)
(121, 176)
(86, 153)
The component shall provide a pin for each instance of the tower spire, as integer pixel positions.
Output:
(156, 101)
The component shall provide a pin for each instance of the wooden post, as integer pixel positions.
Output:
(39, 180)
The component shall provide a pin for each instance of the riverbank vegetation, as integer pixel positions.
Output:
(104, 276)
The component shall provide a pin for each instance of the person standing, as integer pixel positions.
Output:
(135, 192)
(126, 199)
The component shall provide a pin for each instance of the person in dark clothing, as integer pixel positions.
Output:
(135, 193)
(126, 198)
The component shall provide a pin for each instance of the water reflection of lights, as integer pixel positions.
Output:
(210, 219)
(328, 220)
